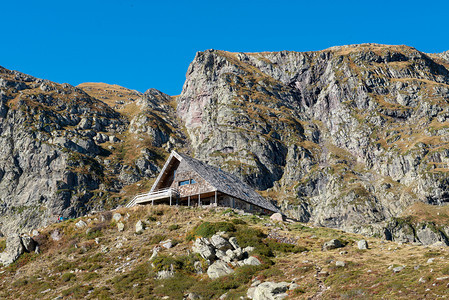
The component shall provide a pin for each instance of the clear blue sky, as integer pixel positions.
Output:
(149, 44)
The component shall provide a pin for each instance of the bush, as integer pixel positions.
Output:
(238, 222)
(208, 229)
(156, 239)
(183, 263)
(67, 277)
(173, 227)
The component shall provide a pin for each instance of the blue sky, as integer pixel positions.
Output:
(149, 44)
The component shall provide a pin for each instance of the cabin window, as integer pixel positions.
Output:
(184, 182)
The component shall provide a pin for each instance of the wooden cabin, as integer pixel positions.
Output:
(187, 181)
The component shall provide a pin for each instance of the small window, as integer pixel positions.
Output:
(192, 181)
(184, 182)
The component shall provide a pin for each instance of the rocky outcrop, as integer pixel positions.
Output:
(15, 247)
(346, 137)
(222, 253)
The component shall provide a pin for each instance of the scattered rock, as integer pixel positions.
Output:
(192, 296)
(120, 226)
(362, 244)
(56, 235)
(34, 233)
(116, 217)
(140, 226)
(252, 261)
(166, 244)
(155, 252)
(340, 263)
(398, 269)
(430, 260)
(219, 268)
(198, 267)
(422, 280)
(80, 224)
(332, 244)
(277, 217)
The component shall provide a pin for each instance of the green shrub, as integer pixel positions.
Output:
(208, 229)
(173, 227)
(238, 222)
(156, 239)
(183, 263)
(67, 277)
(151, 219)
(284, 247)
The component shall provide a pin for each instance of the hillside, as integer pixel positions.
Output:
(351, 137)
(96, 260)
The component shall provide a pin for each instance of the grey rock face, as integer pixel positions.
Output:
(203, 247)
(28, 243)
(220, 243)
(14, 248)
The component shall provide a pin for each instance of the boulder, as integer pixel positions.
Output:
(340, 263)
(167, 244)
(56, 235)
(362, 244)
(80, 224)
(218, 269)
(277, 217)
(34, 233)
(398, 269)
(270, 290)
(220, 242)
(332, 244)
(252, 261)
(116, 217)
(28, 243)
(140, 226)
(120, 226)
(203, 247)
(233, 242)
(14, 248)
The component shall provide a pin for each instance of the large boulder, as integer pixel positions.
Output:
(28, 243)
(277, 217)
(362, 244)
(218, 269)
(203, 247)
(332, 244)
(140, 226)
(14, 248)
(220, 243)
(269, 291)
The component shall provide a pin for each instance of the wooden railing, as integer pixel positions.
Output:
(151, 196)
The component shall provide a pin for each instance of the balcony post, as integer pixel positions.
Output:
(188, 201)
(199, 200)
(216, 204)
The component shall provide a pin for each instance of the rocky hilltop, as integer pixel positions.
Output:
(350, 137)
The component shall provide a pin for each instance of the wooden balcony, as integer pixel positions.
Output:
(146, 198)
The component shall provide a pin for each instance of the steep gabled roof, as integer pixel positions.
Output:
(221, 181)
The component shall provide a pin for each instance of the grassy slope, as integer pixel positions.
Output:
(75, 267)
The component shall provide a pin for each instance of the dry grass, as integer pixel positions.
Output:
(76, 267)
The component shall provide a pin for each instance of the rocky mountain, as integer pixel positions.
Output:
(346, 137)
(349, 137)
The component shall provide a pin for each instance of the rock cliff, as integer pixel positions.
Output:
(343, 138)
(348, 137)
